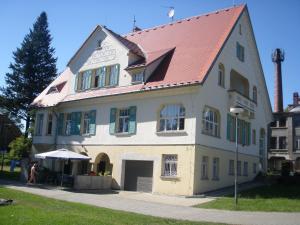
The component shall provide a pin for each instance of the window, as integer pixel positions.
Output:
(216, 166)
(282, 143)
(240, 52)
(172, 118)
(123, 121)
(245, 171)
(113, 75)
(68, 124)
(240, 29)
(138, 77)
(273, 143)
(231, 167)
(170, 165)
(49, 124)
(211, 122)
(243, 129)
(86, 123)
(86, 79)
(204, 168)
(254, 94)
(39, 124)
(239, 168)
(254, 137)
(297, 143)
(221, 75)
(254, 168)
(282, 122)
(273, 124)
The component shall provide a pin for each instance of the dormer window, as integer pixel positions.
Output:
(137, 77)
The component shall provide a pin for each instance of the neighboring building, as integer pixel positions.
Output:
(152, 107)
(285, 137)
(8, 130)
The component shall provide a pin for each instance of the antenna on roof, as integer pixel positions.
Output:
(135, 28)
(171, 13)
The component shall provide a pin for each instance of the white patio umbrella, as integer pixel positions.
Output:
(62, 154)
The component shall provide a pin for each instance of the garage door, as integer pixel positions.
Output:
(138, 175)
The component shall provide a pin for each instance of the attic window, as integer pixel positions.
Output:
(240, 29)
(56, 88)
(52, 90)
(99, 44)
(137, 77)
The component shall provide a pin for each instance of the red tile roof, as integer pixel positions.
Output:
(189, 47)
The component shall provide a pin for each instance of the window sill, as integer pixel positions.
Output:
(170, 178)
(172, 133)
(137, 82)
(123, 134)
(211, 135)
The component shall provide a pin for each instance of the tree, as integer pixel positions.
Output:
(19, 148)
(33, 69)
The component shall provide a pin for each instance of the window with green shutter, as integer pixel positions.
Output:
(60, 124)
(92, 125)
(75, 123)
(132, 120)
(112, 120)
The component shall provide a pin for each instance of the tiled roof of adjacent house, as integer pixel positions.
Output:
(189, 47)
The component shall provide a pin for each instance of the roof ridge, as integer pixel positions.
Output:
(181, 20)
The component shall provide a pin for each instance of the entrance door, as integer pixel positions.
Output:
(138, 175)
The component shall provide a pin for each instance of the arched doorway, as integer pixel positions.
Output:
(103, 165)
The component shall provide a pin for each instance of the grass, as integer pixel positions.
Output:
(272, 198)
(6, 174)
(31, 209)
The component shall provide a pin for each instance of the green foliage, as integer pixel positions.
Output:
(33, 69)
(35, 210)
(20, 147)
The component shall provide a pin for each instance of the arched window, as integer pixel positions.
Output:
(171, 118)
(221, 75)
(254, 97)
(211, 122)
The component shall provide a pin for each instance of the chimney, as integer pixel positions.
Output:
(295, 98)
(277, 58)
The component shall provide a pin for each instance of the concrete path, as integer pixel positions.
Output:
(123, 201)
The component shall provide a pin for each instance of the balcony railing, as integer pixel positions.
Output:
(237, 99)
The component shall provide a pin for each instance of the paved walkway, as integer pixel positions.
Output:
(122, 201)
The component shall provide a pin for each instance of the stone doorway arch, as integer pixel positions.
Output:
(103, 165)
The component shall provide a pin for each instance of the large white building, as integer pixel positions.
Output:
(152, 107)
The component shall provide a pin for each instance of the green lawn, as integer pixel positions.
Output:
(31, 209)
(273, 198)
(6, 174)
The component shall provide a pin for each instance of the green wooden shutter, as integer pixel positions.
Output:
(132, 120)
(228, 127)
(75, 123)
(92, 117)
(60, 124)
(112, 124)
(89, 79)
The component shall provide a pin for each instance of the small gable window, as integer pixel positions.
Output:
(240, 52)
(221, 75)
(137, 77)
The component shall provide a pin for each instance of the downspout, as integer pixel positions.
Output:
(55, 130)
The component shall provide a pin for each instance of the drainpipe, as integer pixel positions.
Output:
(55, 130)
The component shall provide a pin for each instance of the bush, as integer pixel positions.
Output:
(20, 148)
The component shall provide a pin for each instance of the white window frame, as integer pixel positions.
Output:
(204, 168)
(170, 165)
(173, 112)
(86, 123)
(68, 124)
(138, 77)
(122, 120)
(86, 79)
(211, 122)
(216, 168)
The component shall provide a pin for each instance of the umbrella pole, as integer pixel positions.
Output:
(62, 172)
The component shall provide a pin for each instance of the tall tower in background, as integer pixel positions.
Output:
(277, 58)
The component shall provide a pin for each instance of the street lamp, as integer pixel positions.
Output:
(236, 110)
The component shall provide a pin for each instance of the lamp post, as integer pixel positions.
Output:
(236, 111)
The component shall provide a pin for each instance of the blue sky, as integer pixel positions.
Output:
(275, 22)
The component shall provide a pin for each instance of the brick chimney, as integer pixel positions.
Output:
(277, 58)
(296, 98)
